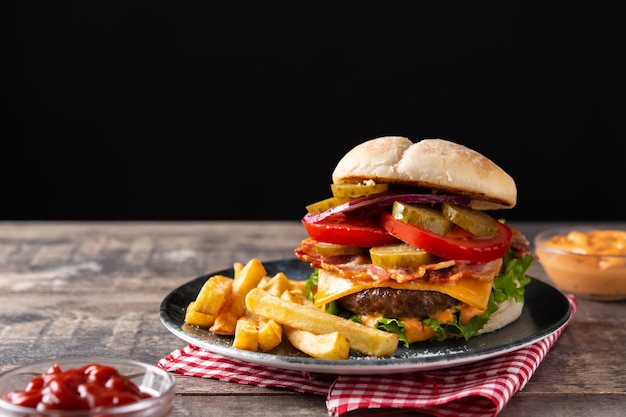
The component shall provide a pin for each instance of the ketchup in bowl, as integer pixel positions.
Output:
(91, 386)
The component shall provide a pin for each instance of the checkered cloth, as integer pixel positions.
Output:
(478, 389)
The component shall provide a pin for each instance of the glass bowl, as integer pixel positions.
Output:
(156, 382)
(585, 261)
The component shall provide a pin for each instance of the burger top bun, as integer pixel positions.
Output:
(435, 164)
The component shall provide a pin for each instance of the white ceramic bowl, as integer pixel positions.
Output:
(156, 382)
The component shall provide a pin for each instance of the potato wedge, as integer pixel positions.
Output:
(246, 334)
(270, 334)
(248, 278)
(277, 284)
(237, 267)
(298, 286)
(197, 318)
(291, 296)
(213, 294)
(333, 346)
(224, 323)
(362, 338)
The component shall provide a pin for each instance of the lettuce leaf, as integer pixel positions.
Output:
(393, 326)
(311, 285)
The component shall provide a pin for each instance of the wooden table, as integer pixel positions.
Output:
(95, 288)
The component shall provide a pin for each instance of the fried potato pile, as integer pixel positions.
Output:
(259, 311)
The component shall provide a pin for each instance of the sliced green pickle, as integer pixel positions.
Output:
(399, 256)
(357, 190)
(423, 216)
(331, 249)
(325, 204)
(476, 222)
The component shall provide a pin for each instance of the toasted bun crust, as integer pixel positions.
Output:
(435, 164)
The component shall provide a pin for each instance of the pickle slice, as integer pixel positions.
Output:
(357, 190)
(399, 256)
(331, 249)
(423, 216)
(476, 222)
(325, 204)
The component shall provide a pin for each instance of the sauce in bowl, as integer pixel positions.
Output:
(89, 387)
(591, 242)
(590, 263)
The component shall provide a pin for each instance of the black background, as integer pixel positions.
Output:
(157, 110)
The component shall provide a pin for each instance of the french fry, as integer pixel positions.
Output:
(277, 284)
(264, 281)
(234, 307)
(246, 334)
(258, 310)
(197, 318)
(213, 294)
(224, 323)
(270, 334)
(370, 341)
(237, 267)
(333, 345)
(298, 287)
(291, 296)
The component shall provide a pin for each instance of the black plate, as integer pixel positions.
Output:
(545, 311)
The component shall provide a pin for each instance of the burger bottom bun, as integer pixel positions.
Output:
(506, 313)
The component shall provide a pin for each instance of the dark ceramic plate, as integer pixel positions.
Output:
(545, 311)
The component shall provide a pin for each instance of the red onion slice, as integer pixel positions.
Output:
(387, 199)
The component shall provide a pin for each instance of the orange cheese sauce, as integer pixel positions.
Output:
(416, 331)
(467, 312)
(595, 265)
(592, 242)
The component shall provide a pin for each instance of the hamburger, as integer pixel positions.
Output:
(407, 242)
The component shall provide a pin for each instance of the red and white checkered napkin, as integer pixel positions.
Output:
(473, 390)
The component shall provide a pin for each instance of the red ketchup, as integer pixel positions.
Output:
(89, 387)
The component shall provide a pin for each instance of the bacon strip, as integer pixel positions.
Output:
(360, 267)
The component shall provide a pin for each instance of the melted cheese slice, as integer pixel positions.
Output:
(474, 292)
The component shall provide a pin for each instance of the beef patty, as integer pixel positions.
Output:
(396, 303)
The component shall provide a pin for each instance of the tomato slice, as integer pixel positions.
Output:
(458, 244)
(352, 231)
